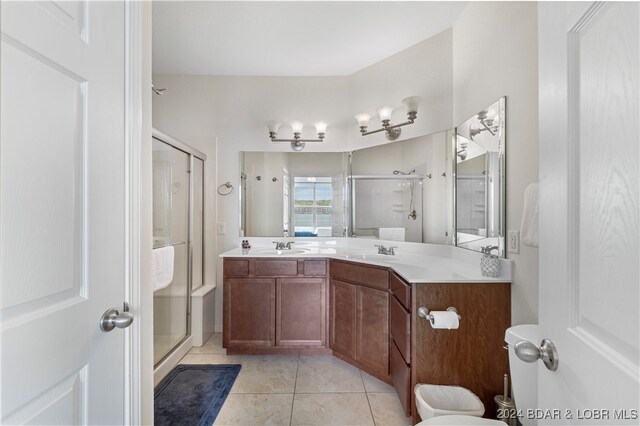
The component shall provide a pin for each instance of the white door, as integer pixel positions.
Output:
(62, 211)
(589, 210)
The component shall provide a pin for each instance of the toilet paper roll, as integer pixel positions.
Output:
(445, 319)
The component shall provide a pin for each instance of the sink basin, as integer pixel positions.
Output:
(271, 251)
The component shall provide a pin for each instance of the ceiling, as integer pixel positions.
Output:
(304, 38)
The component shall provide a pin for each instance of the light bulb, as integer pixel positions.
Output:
(297, 146)
(363, 119)
(321, 127)
(385, 113)
(412, 103)
(273, 126)
(297, 126)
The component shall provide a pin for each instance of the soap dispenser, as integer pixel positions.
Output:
(489, 263)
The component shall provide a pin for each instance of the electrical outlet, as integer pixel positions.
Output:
(513, 242)
(222, 228)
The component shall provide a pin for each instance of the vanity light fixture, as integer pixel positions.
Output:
(392, 131)
(297, 143)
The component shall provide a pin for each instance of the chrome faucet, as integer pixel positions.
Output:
(281, 245)
(384, 250)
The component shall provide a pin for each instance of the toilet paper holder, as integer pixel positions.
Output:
(424, 313)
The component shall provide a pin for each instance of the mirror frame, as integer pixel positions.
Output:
(502, 199)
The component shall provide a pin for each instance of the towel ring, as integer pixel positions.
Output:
(226, 185)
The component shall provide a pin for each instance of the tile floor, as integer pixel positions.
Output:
(300, 390)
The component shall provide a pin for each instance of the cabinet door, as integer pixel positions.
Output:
(249, 311)
(372, 325)
(401, 377)
(301, 312)
(342, 335)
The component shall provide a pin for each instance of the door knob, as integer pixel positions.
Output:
(112, 318)
(529, 352)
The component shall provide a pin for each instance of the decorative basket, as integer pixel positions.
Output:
(489, 263)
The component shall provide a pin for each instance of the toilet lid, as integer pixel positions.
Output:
(459, 420)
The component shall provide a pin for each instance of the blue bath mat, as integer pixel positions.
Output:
(193, 394)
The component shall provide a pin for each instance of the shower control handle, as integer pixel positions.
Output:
(112, 318)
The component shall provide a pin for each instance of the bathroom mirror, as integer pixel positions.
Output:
(357, 194)
(480, 180)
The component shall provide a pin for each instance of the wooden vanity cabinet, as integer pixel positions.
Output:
(400, 339)
(359, 316)
(275, 305)
(471, 356)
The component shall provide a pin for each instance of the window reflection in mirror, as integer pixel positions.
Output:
(480, 183)
(292, 194)
(312, 206)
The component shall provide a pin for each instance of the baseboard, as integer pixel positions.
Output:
(273, 350)
(218, 328)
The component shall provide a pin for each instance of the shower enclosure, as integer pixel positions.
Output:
(387, 206)
(178, 191)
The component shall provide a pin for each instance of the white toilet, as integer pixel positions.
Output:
(524, 381)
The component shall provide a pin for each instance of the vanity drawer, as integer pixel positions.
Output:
(315, 268)
(400, 377)
(275, 268)
(367, 275)
(400, 328)
(401, 289)
(236, 267)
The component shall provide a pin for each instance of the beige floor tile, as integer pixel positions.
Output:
(265, 374)
(207, 359)
(371, 384)
(211, 346)
(255, 409)
(331, 409)
(387, 409)
(327, 374)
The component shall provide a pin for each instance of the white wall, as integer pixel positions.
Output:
(495, 54)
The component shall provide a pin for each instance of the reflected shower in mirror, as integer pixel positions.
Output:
(399, 190)
(480, 180)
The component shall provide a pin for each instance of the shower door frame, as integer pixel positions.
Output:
(191, 152)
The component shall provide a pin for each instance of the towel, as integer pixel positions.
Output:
(529, 225)
(163, 267)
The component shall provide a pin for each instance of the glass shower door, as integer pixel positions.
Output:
(170, 229)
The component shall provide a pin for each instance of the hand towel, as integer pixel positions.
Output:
(163, 258)
(529, 225)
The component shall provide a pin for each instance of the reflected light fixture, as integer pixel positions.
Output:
(392, 131)
(297, 143)
(487, 125)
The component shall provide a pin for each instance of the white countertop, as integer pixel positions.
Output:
(416, 263)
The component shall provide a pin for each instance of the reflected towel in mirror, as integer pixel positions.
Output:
(163, 259)
(529, 225)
